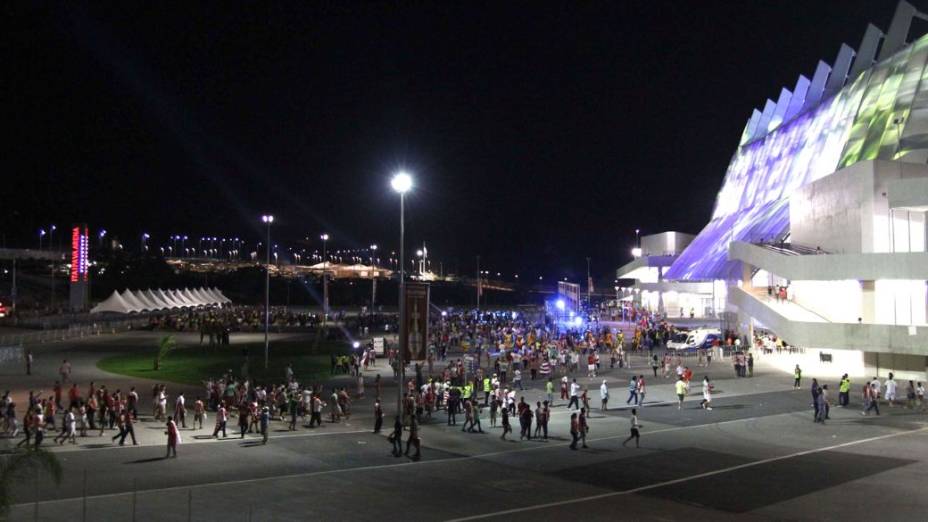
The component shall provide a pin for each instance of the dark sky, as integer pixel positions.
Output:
(539, 134)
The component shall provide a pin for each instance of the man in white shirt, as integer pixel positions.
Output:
(890, 394)
(574, 395)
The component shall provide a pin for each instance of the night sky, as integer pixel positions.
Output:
(538, 134)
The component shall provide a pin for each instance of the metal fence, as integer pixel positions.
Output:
(72, 332)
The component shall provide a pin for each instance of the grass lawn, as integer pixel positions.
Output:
(194, 364)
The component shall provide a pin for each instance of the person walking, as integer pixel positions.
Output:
(378, 416)
(584, 427)
(632, 390)
(603, 396)
(545, 417)
(815, 390)
(574, 395)
(413, 439)
(180, 410)
(642, 390)
(655, 364)
(821, 410)
(871, 399)
(264, 421)
(680, 388)
(127, 429)
(396, 437)
(173, 437)
(890, 393)
(574, 431)
(243, 414)
(549, 391)
(706, 394)
(221, 417)
(507, 428)
(634, 429)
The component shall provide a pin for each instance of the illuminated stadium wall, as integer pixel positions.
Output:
(882, 113)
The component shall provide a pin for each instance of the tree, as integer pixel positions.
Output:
(23, 466)
(166, 344)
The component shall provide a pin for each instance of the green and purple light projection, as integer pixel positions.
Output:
(881, 114)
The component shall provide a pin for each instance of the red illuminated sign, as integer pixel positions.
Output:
(79, 242)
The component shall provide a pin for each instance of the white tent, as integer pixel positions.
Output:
(221, 296)
(113, 303)
(206, 298)
(179, 299)
(130, 299)
(166, 298)
(146, 302)
(156, 300)
(192, 298)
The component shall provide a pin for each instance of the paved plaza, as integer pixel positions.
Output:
(756, 456)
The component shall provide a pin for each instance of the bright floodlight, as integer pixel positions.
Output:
(419, 253)
(373, 247)
(578, 320)
(515, 315)
(401, 182)
(356, 344)
(560, 304)
(324, 237)
(267, 218)
(636, 252)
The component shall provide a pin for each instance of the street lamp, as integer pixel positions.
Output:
(325, 279)
(101, 235)
(373, 283)
(145, 238)
(267, 219)
(402, 183)
(41, 235)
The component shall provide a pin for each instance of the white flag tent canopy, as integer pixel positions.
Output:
(149, 300)
(113, 303)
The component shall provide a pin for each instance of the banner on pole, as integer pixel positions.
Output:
(415, 329)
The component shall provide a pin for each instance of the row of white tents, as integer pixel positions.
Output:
(155, 300)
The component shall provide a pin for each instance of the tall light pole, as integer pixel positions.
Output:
(401, 183)
(145, 237)
(373, 283)
(267, 219)
(51, 236)
(588, 283)
(325, 278)
(638, 237)
(41, 236)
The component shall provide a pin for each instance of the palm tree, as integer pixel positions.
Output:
(21, 466)
(166, 344)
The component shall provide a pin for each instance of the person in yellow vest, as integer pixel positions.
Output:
(844, 391)
(487, 388)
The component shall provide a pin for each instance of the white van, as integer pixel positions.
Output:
(694, 339)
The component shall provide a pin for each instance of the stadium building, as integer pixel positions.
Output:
(818, 235)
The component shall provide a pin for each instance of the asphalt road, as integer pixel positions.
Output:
(756, 456)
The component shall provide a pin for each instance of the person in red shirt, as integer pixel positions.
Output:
(74, 396)
(173, 437)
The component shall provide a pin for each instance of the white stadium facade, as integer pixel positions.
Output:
(824, 200)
